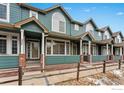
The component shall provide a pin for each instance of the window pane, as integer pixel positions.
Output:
(58, 47)
(61, 26)
(74, 49)
(3, 11)
(2, 46)
(14, 46)
(67, 48)
(48, 46)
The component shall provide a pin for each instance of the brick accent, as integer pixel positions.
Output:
(41, 59)
(22, 60)
(81, 58)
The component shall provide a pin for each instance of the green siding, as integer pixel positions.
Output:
(33, 27)
(51, 60)
(8, 61)
(117, 58)
(99, 58)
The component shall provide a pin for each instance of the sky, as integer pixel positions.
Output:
(104, 14)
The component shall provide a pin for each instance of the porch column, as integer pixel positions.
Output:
(120, 51)
(112, 56)
(42, 52)
(81, 52)
(106, 49)
(111, 49)
(107, 52)
(22, 56)
(89, 52)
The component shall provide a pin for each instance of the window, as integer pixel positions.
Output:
(76, 27)
(3, 44)
(105, 36)
(58, 23)
(67, 48)
(74, 49)
(49, 46)
(61, 26)
(4, 12)
(99, 33)
(54, 47)
(33, 13)
(58, 47)
(14, 45)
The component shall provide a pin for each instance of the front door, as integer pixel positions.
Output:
(33, 50)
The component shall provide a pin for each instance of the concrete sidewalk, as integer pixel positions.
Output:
(53, 77)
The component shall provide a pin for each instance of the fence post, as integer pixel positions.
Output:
(104, 66)
(20, 75)
(78, 70)
(119, 64)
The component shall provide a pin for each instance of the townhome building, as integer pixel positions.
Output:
(29, 35)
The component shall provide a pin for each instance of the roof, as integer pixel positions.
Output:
(119, 44)
(61, 35)
(22, 22)
(31, 7)
(116, 34)
(85, 34)
(103, 29)
(106, 41)
(92, 21)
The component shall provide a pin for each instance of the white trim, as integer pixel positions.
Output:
(9, 43)
(76, 27)
(53, 39)
(30, 13)
(53, 29)
(8, 13)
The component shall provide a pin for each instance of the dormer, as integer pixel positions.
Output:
(106, 33)
(90, 26)
(117, 37)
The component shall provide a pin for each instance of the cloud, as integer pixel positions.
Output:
(120, 13)
(68, 8)
(86, 10)
(89, 9)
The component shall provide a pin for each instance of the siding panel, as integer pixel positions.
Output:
(8, 61)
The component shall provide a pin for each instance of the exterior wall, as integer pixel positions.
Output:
(107, 33)
(8, 61)
(75, 32)
(99, 58)
(51, 60)
(33, 27)
(89, 27)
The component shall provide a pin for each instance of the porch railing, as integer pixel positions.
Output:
(117, 57)
(51, 60)
(9, 61)
(99, 58)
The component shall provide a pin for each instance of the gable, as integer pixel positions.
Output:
(32, 26)
(107, 33)
(87, 38)
(89, 27)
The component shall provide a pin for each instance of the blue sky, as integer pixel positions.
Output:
(104, 14)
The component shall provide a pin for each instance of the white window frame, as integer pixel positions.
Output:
(30, 13)
(58, 24)
(53, 39)
(9, 43)
(8, 12)
(76, 27)
(99, 33)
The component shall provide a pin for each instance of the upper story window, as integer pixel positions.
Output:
(58, 23)
(99, 33)
(33, 13)
(106, 35)
(118, 39)
(4, 12)
(76, 27)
